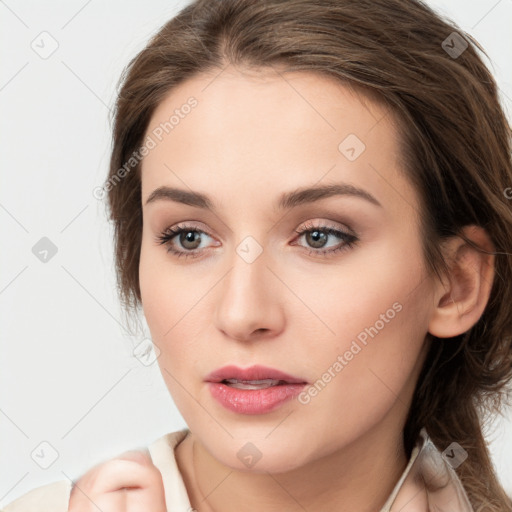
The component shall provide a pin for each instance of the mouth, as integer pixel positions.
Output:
(253, 384)
(254, 377)
(254, 390)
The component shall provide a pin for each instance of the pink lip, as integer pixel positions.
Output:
(256, 372)
(253, 401)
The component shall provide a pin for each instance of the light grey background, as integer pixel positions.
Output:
(68, 376)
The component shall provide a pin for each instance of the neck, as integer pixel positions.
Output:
(360, 477)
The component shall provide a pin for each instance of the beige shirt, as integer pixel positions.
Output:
(428, 483)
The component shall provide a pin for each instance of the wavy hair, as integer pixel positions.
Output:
(455, 148)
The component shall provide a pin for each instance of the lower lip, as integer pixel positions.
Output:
(254, 401)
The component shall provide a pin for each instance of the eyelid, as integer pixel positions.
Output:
(322, 224)
(347, 236)
(349, 239)
(187, 226)
(317, 223)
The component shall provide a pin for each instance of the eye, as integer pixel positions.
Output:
(317, 236)
(189, 237)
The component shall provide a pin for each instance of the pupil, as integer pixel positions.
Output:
(317, 237)
(188, 237)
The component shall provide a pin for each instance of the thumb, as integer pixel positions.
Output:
(142, 456)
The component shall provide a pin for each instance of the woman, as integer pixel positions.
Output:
(310, 206)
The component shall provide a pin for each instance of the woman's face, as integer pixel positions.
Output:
(258, 279)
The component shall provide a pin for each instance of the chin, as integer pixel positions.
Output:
(255, 454)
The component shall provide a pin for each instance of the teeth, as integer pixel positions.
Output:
(251, 384)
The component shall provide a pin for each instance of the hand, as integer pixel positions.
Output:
(130, 482)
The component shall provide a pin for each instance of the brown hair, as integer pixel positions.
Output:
(456, 149)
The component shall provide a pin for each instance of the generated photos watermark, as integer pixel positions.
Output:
(151, 141)
(343, 360)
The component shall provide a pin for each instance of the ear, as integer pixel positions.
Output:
(461, 300)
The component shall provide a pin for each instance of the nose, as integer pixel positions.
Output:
(248, 300)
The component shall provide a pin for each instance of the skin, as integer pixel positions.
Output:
(252, 137)
(120, 484)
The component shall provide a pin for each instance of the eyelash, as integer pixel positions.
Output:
(166, 237)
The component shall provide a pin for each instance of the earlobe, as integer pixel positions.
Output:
(461, 300)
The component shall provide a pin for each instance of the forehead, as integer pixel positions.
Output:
(232, 96)
(271, 130)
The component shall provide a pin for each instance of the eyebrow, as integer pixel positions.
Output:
(286, 201)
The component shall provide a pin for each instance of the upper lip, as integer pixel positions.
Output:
(256, 372)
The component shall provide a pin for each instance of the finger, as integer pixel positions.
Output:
(141, 456)
(123, 500)
(121, 473)
(130, 482)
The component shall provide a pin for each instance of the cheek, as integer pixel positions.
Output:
(372, 288)
(166, 292)
(172, 301)
(164, 304)
(379, 315)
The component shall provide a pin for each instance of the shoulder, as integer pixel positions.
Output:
(54, 497)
